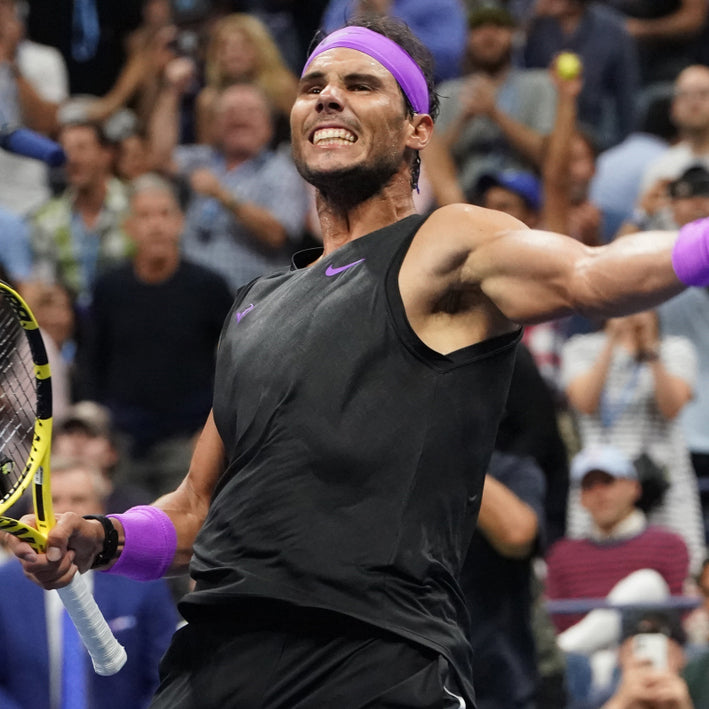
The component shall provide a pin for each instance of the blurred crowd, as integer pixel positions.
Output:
(179, 188)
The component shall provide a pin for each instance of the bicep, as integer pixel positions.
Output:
(533, 275)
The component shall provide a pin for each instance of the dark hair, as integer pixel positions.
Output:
(398, 31)
(103, 140)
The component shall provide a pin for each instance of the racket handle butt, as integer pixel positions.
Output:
(107, 654)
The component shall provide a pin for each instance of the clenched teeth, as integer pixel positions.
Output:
(333, 135)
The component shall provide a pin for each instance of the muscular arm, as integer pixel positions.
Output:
(472, 273)
(532, 276)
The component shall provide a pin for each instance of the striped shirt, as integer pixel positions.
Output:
(636, 426)
(587, 568)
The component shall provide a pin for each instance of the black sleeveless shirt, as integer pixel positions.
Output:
(356, 454)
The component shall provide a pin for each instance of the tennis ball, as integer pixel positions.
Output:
(568, 65)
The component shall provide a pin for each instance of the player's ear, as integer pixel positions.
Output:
(421, 131)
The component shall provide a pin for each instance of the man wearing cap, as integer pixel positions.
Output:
(495, 116)
(514, 192)
(623, 559)
(335, 485)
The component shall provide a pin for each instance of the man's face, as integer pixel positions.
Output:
(511, 203)
(75, 491)
(607, 499)
(155, 223)
(490, 47)
(88, 160)
(243, 122)
(349, 122)
(690, 105)
(81, 445)
(687, 209)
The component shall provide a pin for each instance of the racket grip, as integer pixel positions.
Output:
(107, 654)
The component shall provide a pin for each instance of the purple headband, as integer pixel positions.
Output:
(389, 54)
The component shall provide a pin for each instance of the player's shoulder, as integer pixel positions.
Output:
(468, 224)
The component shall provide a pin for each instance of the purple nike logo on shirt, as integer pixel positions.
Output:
(334, 270)
(243, 312)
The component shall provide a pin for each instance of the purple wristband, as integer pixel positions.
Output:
(690, 255)
(150, 543)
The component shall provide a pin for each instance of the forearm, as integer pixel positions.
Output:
(685, 21)
(163, 128)
(441, 172)
(257, 220)
(555, 165)
(584, 391)
(508, 523)
(671, 392)
(37, 113)
(522, 138)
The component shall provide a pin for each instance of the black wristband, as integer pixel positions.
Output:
(110, 541)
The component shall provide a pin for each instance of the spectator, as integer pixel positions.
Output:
(141, 614)
(151, 46)
(509, 532)
(640, 681)
(615, 186)
(621, 558)
(439, 24)
(611, 74)
(85, 432)
(690, 114)
(90, 35)
(627, 384)
(495, 116)
(241, 50)
(687, 315)
(668, 35)
(697, 622)
(79, 234)
(33, 83)
(15, 252)
(53, 308)
(249, 204)
(142, 314)
(680, 201)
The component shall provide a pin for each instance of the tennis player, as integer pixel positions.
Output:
(335, 487)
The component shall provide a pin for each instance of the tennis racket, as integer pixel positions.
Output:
(25, 444)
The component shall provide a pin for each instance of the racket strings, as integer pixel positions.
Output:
(18, 396)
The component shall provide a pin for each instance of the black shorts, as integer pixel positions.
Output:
(300, 660)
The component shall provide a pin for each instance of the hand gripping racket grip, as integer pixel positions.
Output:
(107, 654)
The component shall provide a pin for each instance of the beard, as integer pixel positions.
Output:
(347, 187)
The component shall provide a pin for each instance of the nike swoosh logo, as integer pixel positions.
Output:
(334, 270)
(240, 315)
(461, 701)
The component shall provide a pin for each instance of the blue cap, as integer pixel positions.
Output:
(524, 184)
(607, 459)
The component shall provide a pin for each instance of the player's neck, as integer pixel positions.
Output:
(340, 225)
